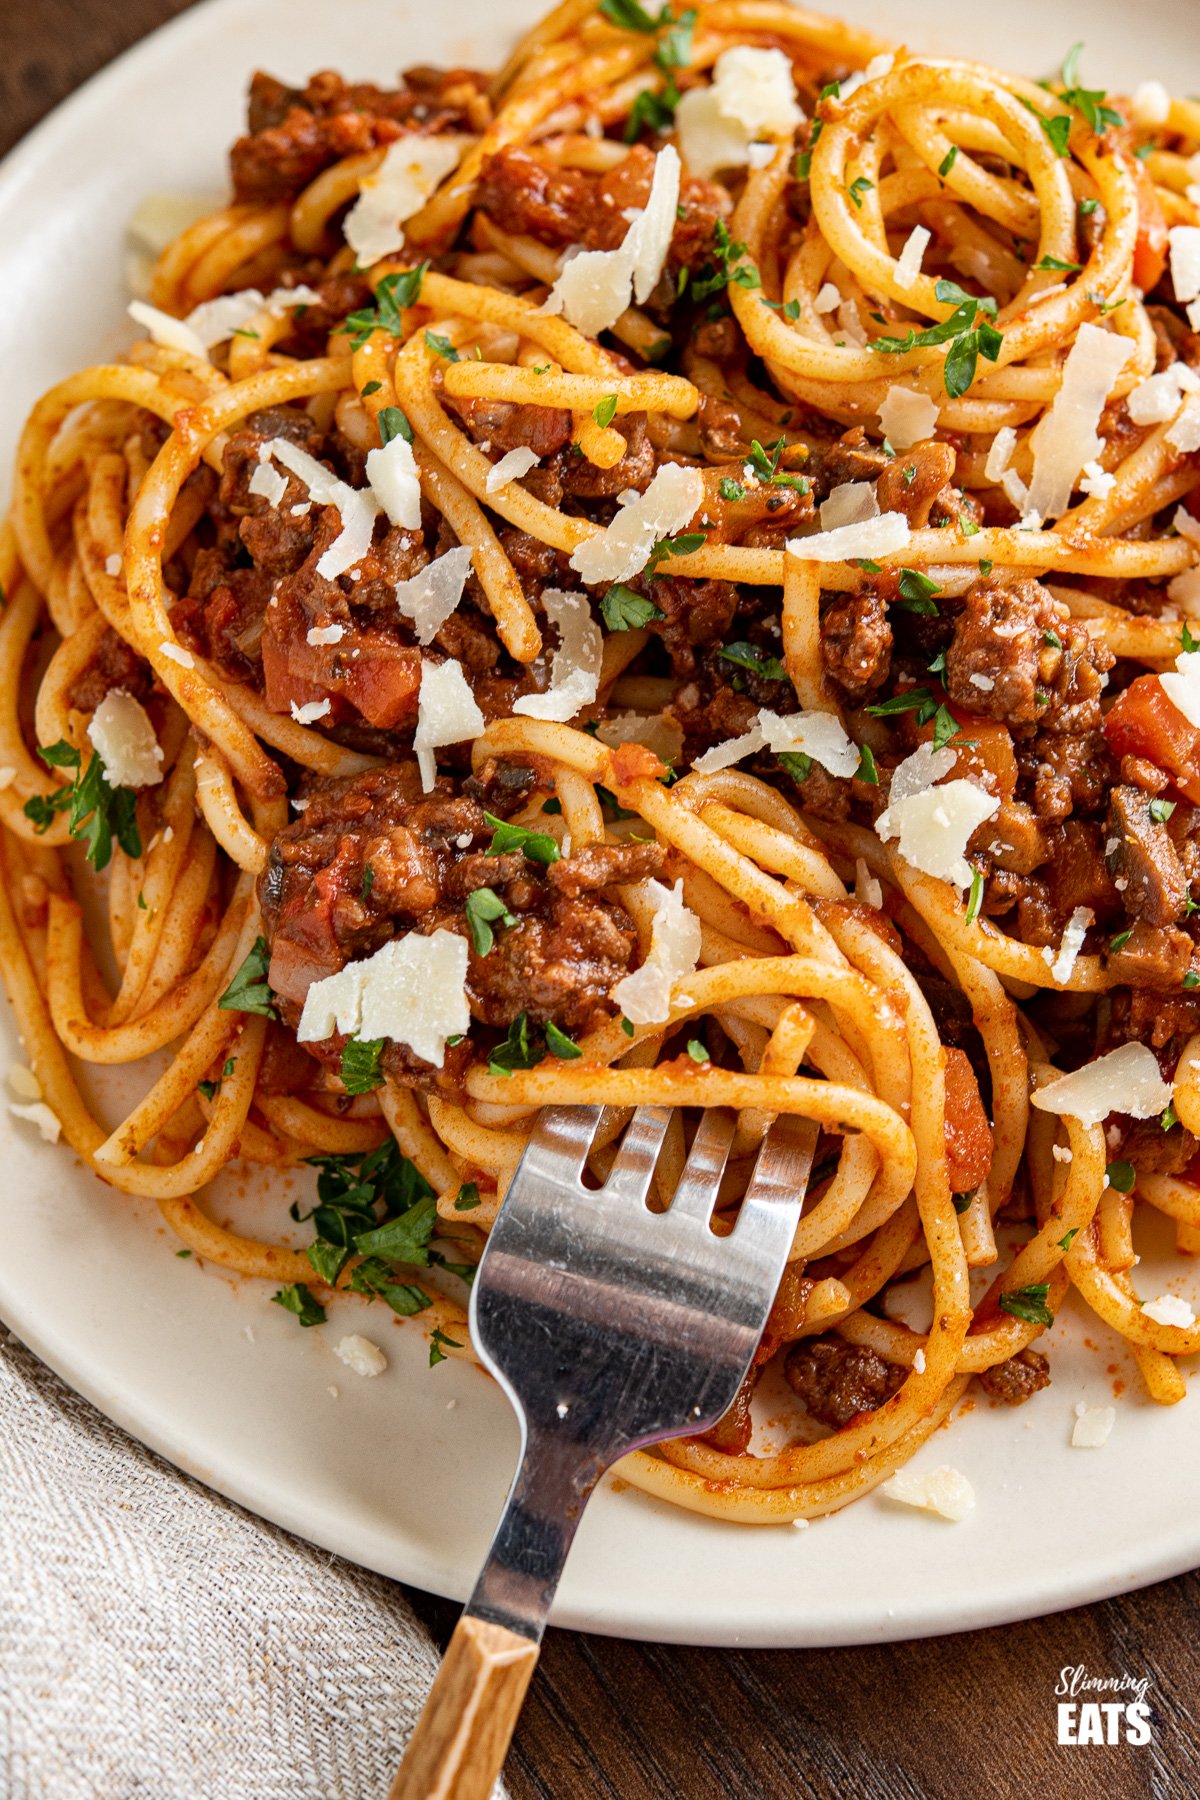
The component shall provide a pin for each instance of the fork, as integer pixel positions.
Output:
(609, 1327)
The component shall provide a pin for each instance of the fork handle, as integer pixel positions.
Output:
(462, 1736)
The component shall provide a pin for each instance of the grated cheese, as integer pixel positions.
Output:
(392, 474)
(935, 826)
(943, 1491)
(907, 418)
(311, 711)
(361, 1355)
(357, 507)
(878, 65)
(213, 321)
(324, 634)
(1151, 103)
(1127, 1080)
(1067, 436)
(576, 664)
(820, 735)
(1157, 399)
(171, 333)
(123, 738)
(1184, 434)
(645, 995)
(594, 287)
(269, 483)
(447, 713)
(1074, 933)
(866, 887)
(623, 548)
(1182, 685)
(177, 654)
(412, 991)
(112, 566)
(868, 539)
(828, 299)
(38, 1113)
(1097, 482)
(412, 168)
(752, 96)
(1186, 525)
(431, 595)
(511, 467)
(1001, 453)
(850, 503)
(1184, 241)
(1093, 1426)
(1169, 1309)
(908, 263)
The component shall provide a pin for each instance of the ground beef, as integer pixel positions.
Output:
(504, 425)
(837, 1380)
(1152, 956)
(1018, 657)
(856, 643)
(1015, 1379)
(571, 940)
(114, 665)
(1143, 858)
(851, 458)
(733, 1430)
(530, 198)
(296, 132)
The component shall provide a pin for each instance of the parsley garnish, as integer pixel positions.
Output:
(1186, 640)
(404, 1239)
(1122, 938)
(483, 908)
(393, 423)
(368, 882)
(1086, 208)
(538, 846)
(468, 1197)
(627, 1026)
(1057, 126)
(393, 294)
(624, 610)
(917, 590)
(948, 161)
(605, 411)
(968, 335)
(749, 656)
(676, 546)
(559, 1044)
(698, 1051)
(97, 812)
(1056, 264)
(945, 727)
(248, 992)
(441, 346)
(1121, 1175)
(796, 763)
(295, 1298)
(866, 770)
(520, 1049)
(1028, 1303)
(1161, 810)
(1170, 1117)
(1087, 100)
(727, 265)
(730, 490)
(375, 1276)
(210, 1089)
(355, 1194)
(975, 898)
(437, 1339)
(918, 700)
(962, 1202)
(858, 188)
(1064, 1243)
(361, 1071)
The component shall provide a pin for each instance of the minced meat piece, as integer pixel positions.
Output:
(1142, 857)
(1018, 656)
(856, 643)
(372, 857)
(1015, 1379)
(837, 1380)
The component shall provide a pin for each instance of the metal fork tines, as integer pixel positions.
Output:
(612, 1327)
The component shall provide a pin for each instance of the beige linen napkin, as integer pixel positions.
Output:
(158, 1642)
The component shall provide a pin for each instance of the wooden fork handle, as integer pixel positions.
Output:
(463, 1734)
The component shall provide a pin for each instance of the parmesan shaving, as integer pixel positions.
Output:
(820, 735)
(269, 483)
(752, 96)
(935, 826)
(1093, 1426)
(171, 333)
(1067, 436)
(908, 263)
(849, 504)
(447, 713)
(623, 548)
(1151, 103)
(645, 995)
(1184, 434)
(511, 467)
(324, 634)
(828, 299)
(1170, 1309)
(907, 418)
(1000, 454)
(412, 991)
(431, 595)
(1182, 685)
(361, 1355)
(943, 1491)
(1098, 483)
(594, 287)
(392, 473)
(213, 321)
(1158, 398)
(412, 168)
(870, 538)
(356, 507)
(38, 1113)
(575, 666)
(1074, 933)
(1184, 241)
(311, 711)
(123, 738)
(1127, 1080)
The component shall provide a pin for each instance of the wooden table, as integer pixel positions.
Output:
(968, 1715)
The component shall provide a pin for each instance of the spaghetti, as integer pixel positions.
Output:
(661, 576)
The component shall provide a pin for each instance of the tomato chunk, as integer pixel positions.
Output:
(1150, 248)
(1144, 722)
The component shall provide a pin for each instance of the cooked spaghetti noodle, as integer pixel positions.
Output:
(661, 576)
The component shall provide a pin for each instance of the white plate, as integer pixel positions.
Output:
(406, 1473)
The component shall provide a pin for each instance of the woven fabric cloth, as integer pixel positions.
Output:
(156, 1641)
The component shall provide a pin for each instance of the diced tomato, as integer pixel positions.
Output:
(986, 750)
(383, 680)
(368, 671)
(1144, 722)
(633, 762)
(1150, 249)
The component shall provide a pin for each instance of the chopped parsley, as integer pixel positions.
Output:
(483, 909)
(1121, 1175)
(1089, 101)
(441, 346)
(1057, 265)
(727, 265)
(355, 1195)
(210, 1089)
(698, 1051)
(796, 764)
(361, 1071)
(866, 770)
(967, 334)
(368, 882)
(295, 1298)
(97, 812)
(393, 423)
(393, 294)
(538, 846)
(858, 188)
(1122, 938)
(627, 1026)
(468, 1197)
(917, 591)
(1161, 810)
(918, 700)
(759, 662)
(248, 992)
(1170, 1117)
(559, 1044)
(605, 411)
(975, 897)
(624, 610)
(1028, 1303)
(521, 1049)
(732, 491)
(436, 1340)
(1064, 1243)
(962, 1202)
(948, 161)
(1057, 126)
(1186, 639)
(766, 464)
(683, 545)
(945, 727)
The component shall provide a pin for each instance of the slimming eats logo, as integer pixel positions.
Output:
(1102, 1709)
